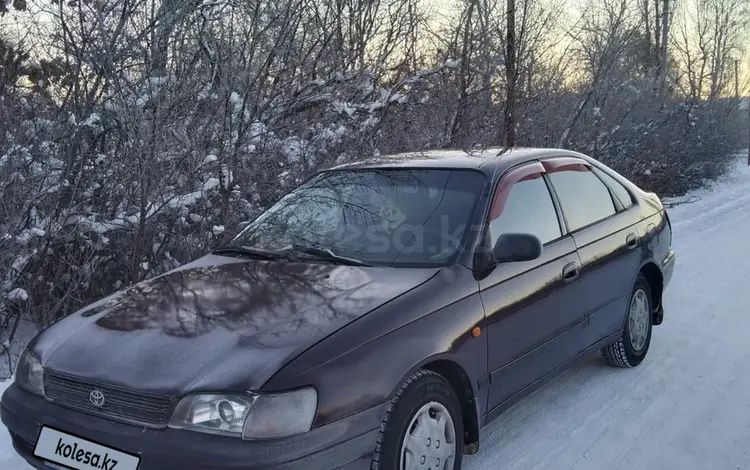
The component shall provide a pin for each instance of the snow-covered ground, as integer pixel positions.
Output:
(686, 406)
(9, 460)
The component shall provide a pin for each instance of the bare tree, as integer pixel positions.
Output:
(664, 52)
(710, 32)
(606, 37)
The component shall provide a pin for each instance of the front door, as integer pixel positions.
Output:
(534, 316)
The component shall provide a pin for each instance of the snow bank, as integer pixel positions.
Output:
(9, 460)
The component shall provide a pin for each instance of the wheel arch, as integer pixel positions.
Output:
(655, 280)
(459, 380)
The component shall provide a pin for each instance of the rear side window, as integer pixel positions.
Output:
(584, 198)
(527, 209)
(622, 194)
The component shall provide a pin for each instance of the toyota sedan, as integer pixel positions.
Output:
(376, 317)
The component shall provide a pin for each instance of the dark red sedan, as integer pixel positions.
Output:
(374, 318)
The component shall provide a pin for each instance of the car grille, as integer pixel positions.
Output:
(119, 404)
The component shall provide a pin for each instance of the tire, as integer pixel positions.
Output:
(631, 349)
(420, 401)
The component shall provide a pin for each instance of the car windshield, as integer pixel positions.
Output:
(393, 217)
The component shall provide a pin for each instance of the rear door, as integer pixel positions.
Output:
(534, 320)
(601, 220)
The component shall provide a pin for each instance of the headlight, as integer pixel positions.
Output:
(213, 414)
(29, 374)
(250, 416)
(282, 415)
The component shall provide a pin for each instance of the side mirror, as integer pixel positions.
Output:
(517, 247)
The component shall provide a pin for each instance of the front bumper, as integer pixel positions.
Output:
(346, 444)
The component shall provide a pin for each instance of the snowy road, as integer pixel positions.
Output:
(687, 406)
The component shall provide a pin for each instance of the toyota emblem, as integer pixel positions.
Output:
(97, 398)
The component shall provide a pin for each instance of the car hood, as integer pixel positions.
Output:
(218, 324)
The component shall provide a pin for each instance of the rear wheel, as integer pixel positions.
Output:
(631, 348)
(423, 427)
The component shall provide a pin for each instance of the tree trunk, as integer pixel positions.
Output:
(663, 59)
(457, 117)
(654, 53)
(737, 79)
(510, 77)
(648, 61)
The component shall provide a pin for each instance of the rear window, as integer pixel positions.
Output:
(584, 198)
(620, 192)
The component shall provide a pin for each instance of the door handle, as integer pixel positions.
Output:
(632, 241)
(571, 272)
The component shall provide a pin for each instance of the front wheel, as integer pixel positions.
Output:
(423, 427)
(631, 348)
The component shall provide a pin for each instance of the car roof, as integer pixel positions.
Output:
(489, 160)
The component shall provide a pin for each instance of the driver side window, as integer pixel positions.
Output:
(527, 208)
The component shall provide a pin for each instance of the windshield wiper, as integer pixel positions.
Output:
(328, 255)
(250, 252)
